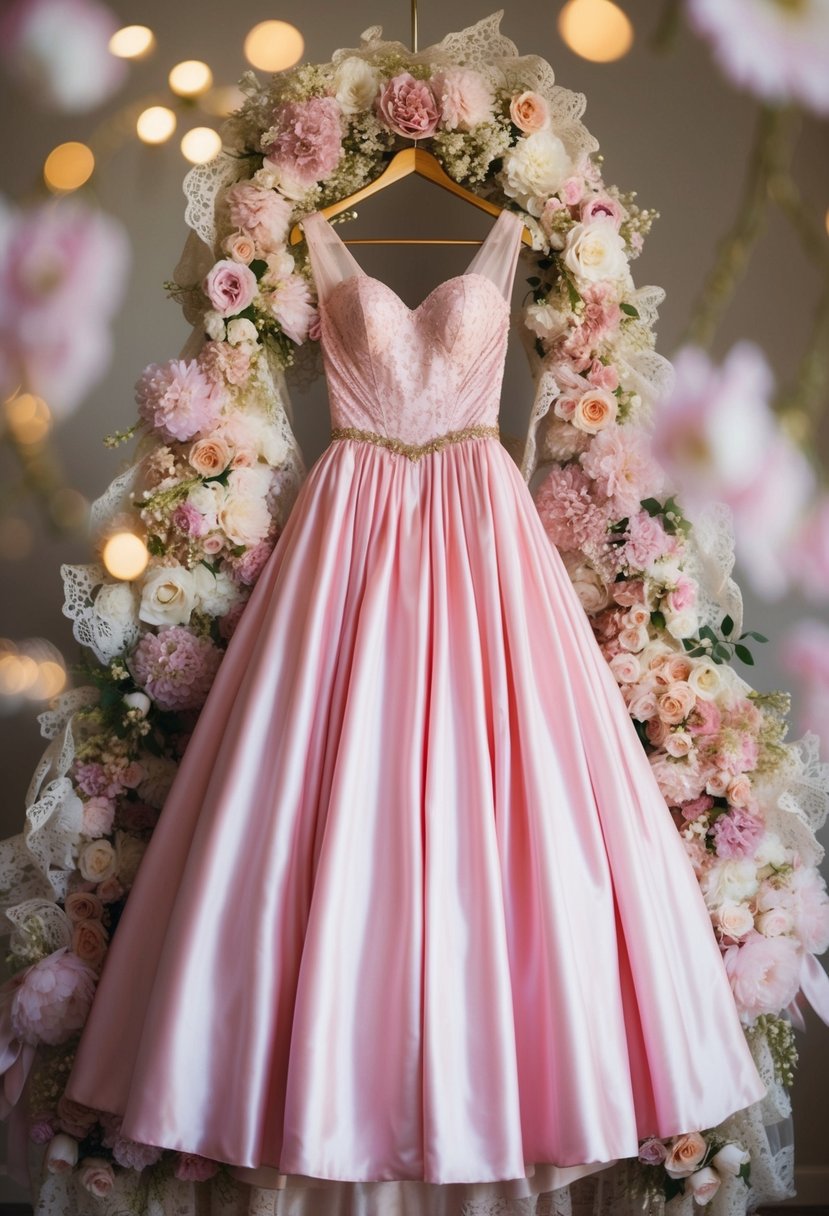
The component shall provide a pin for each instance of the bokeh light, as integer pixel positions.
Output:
(28, 419)
(597, 30)
(68, 166)
(222, 100)
(33, 670)
(132, 42)
(155, 125)
(190, 78)
(125, 555)
(200, 145)
(273, 46)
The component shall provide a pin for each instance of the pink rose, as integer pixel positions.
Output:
(240, 246)
(53, 998)
(652, 1151)
(408, 107)
(572, 190)
(305, 143)
(764, 974)
(683, 595)
(530, 112)
(42, 1129)
(602, 206)
(703, 1184)
(230, 286)
(684, 1154)
(96, 1175)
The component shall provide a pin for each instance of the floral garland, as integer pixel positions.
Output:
(213, 484)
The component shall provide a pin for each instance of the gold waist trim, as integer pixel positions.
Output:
(415, 450)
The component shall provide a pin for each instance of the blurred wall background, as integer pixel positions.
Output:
(669, 126)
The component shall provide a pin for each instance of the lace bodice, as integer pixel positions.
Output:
(414, 374)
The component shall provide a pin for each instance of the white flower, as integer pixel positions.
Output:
(682, 624)
(61, 1153)
(545, 320)
(217, 593)
(214, 325)
(729, 1159)
(770, 851)
(244, 516)
(240, 330)
(207, 499)
(703, 1184)
(705, 678)
(735, 920)
(270, 442)
(139, 701)
(115, 604)
(355, 85)
(534, 168)
(731, 882)
(596, 252)
(588, 583)
(168, 596)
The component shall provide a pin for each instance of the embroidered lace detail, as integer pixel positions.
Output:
(414, 450)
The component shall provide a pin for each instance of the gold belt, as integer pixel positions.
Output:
(414, 450)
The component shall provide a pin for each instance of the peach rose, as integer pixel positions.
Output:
(240, 246)
(110, 889)
(83, 905)
(676, 702)
(530, 111)
(677, 667)
(656, 730)
(684, 1154)
(634, 637)
(738, 792)
(625, 668)
(718, 783)
(678, 742)
(89, 941)
(643, 705)
(594, 410)
(209, 457)
(638, 615)
(734, 920)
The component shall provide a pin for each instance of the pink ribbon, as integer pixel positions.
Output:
(814, 985)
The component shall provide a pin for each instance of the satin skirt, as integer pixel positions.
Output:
(415, 908)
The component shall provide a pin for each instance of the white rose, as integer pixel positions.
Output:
(595, 252)
(735, 920)
(61, 1153)
(731, 882)
(240, 330)
(98, 860)
(776, 922)
(635, 637)
(214, 325)
(642, 704)
(545, 320)
(655, 650)
(168, 596)
(703, 1184)
(139, 701)
(355, 84)
(116, 603)
(266, 177)
(679, 743)
(587, 582)
(534, 168)
(217, 593)
(705, 679)
(244, 516)
(729, 1159)
(682, 624)
(666, 570)
(207, 499)
(625, 668)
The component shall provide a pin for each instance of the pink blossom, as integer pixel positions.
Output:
(192, 1168)
(178, 399)
(683, 595)
(306, 141)
(264, 214)
(247, 568)
(705, 718)
(603, 375)
(187, 520)
(53, 998)
(42, 1129)
(62, 273)
(292, 306)
(619, 459)
(692, 808)
(98, 814)
(132, 1154)
(175, 667)
(408, 107)
(91, 778)
(679, 780)
(810, 908)
(804, 651)
(230, 287)
(601, 318)
(602, 206)
(567, 508)
(572, 190)
(221, 361)
(737, 833)
(465, 98)
(764, 973)
(646, 541)
(652, 1151)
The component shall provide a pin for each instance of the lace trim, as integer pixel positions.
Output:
(414, 450)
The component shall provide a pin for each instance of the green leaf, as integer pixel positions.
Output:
(652, 505)
(155, 546)
(752, 633)
(658, 619)
(727, 625)
(258, 266)
(534, 281)
(745, 654)
(720, 653)
(630, 310)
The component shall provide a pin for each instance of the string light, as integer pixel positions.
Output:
(155, 125)
(597, 30)
(200, 145)
(125, 555)
(132, 42)
(273, 46)
(68, 166)
(190, 78)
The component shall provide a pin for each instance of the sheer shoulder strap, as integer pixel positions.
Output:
(497, 257)
(331, 259)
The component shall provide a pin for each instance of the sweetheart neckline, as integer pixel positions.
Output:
(361, 273)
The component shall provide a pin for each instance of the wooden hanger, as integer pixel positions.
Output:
(403, 163)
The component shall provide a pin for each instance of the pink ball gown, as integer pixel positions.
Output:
(415, 930)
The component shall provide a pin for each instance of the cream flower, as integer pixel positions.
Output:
(595, 252)
(167, 596)
(355, 85)
(588, 583)
(98, 860)
(706, 679)
(534, 168)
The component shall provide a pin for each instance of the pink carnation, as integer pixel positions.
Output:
(737, 833)
(692, 808)
(98, 814)
(306, 141)
(230, 287)
(620, 461)
(465, 98)
(292, 306)
(764, 973)
(221, 361)
(602, 207)
(679, 780)
(187, 520)
(91, 778)
(192, 1168)
(600, 319)
(247, 568)
(646, 541)
(178, 399)
(53, 998)
(705, 718)
(175, 667)
(265, 214)
(567, 508)
(408, 107)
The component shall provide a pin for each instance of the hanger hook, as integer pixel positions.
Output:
(414, 27)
